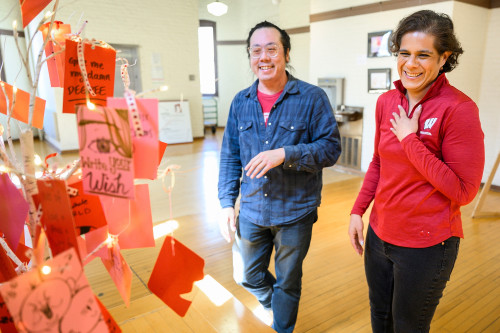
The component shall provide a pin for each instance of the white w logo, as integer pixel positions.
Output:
(429, 123)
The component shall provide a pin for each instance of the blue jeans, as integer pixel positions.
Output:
(252, 252)
(406, 284)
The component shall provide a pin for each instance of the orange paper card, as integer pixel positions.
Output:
(120, 272)
(146, 146)
(59, 299)
(100, 66)
(131, 219)
(55, 65)
(22, 106)
(174, 274)
(57, 219)
(13, 211)
(31, 8)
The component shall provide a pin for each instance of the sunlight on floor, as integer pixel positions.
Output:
(165, 228)
(217, 294)
(265, 316)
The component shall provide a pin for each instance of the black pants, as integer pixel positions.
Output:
(405, 284)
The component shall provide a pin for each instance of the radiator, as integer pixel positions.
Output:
(351, 152)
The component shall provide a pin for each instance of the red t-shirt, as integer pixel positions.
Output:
(419, 184)
(266, 102)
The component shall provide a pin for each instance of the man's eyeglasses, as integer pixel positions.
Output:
(271, 50)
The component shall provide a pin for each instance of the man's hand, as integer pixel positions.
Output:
(264, 161)
(226, 221)
(402, 126)
(356, 233)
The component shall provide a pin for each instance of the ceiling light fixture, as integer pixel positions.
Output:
(217, 8)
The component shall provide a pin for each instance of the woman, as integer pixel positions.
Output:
(428, 161)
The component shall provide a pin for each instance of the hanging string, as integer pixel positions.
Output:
(20, 266)
(168, 189)
(130, 99)
(81, 63)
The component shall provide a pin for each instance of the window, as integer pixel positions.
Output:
(208, 58)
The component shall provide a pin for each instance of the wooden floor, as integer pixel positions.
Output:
(334, 294)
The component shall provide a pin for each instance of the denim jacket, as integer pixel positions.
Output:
(302, 122)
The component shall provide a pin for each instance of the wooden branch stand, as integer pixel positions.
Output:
(477, 213)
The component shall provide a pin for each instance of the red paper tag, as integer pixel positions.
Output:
(131, 219)
(31, 8)
(7, 270)
(110, 321)
(55, 65)
(174, 274)
(120, 273)
(100, 67)
(57, 218)
(6, 320)
(13, 211)
(161, 150)
(87, 210)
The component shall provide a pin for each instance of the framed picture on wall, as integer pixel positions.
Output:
(379, 80)
(378, 44)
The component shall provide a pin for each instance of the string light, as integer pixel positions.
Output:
(46, 270)
(38, 160)
(14, 25)
(109, 241)
(90, 105)
(48, 14)
(3, 169)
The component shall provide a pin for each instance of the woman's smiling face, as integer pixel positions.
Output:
(419, 62)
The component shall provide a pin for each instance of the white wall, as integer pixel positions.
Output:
(320, 6)
(467, 76)
(165, 27)
(490, 92)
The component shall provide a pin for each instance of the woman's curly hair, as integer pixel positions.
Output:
(436, 24)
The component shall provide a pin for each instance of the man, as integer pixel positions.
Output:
(283, 133)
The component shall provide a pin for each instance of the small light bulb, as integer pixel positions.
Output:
(3, 168)
(109, 241)
(90, 105)
(14, 25)
(48, 14)
(38, 160)
(46, 270)
(163, 88)
(14, 89)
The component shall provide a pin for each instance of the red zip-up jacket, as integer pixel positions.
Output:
(419, 184)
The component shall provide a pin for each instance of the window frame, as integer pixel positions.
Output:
(212, 24)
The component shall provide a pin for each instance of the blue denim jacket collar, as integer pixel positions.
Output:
(291, 87)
